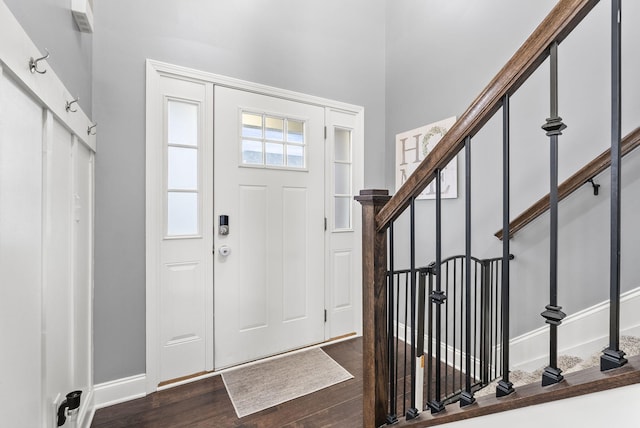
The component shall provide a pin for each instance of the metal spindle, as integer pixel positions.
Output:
(553, 313)
(613, 356)
(438, 298)
(391, 417)
(504, 386)
(430, 338)
(467, 396)
(413, 411)
(420, 343)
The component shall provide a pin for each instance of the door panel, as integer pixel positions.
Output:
(269, 290)
(185, 266)
(343, 237)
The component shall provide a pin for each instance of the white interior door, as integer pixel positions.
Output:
(269, 181)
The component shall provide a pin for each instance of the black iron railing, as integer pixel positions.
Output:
(467, 320)
(443, 344)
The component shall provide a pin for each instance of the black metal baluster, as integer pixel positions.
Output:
(413, 411)
(613, 356)
(453, 341)
(430, 374)
(485, 323)
(553, 313)
(420, 343)
(467, 396)
(397, 336)
(393, 401)
(476, 349)
(450, 302)
(438, 298)
(504, 386)
(404, 355)
(462, 332)
(494, 322)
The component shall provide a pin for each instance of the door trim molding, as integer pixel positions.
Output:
(153, 169)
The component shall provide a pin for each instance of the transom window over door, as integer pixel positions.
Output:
(270, 141)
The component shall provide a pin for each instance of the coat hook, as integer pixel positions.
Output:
(67, 106)
(92, 128)
(596, 187)
(33, 63)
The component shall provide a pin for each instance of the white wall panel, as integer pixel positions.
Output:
(20, 255)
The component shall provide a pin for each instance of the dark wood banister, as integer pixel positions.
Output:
(562, 19)
(571, 184)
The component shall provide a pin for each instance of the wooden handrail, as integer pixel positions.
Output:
(562, 19)
(571, 184)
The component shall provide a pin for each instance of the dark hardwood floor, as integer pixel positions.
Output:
(205, 403)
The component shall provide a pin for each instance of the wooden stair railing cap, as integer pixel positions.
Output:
(562, 19)
(571, 184)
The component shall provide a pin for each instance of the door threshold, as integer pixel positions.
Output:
(167, 384)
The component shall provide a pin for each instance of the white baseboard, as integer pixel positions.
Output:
(581, 334)
(119, 390)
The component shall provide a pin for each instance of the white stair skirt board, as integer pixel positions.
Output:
(120, 390)
(608, 406)
(581, 334)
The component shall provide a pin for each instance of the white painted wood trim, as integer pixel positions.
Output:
(87, 410)
(47, 88)
(119, 390)
(153, 180)
(581, 334)
(230, 82)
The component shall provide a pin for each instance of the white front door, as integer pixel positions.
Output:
(269, 183)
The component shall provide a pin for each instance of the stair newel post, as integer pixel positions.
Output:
(466, 397)
(438, 297)
(553, 313)
(505, 387)
(374, 310)
(412, 412)
(613, 357)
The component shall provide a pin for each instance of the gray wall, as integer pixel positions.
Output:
(50, 25)
(332, 49)
(438, 64)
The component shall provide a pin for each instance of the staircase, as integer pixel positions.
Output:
(393, 297)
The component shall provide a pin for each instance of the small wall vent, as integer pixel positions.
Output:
(82, 11)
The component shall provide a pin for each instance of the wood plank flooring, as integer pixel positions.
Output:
(205, 403)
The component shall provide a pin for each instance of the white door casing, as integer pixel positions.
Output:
(155, 189)
(269, 291)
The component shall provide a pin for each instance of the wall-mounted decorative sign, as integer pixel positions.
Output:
(413, 146)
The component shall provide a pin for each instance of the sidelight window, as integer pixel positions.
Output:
(182, 168)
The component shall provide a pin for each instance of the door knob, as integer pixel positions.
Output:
(224, 251)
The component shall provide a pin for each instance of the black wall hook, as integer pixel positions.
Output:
(596, 187)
